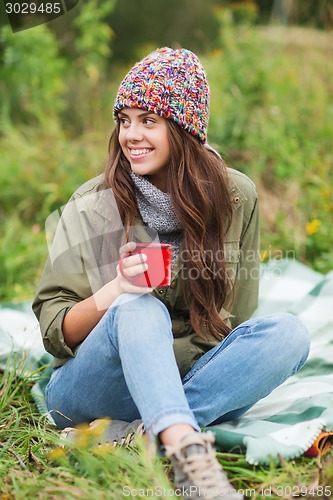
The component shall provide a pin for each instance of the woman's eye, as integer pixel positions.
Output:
(123, 121)
(148, 121)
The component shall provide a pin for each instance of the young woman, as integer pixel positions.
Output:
(178, 357)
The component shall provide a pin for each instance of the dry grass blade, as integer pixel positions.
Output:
(16, 455)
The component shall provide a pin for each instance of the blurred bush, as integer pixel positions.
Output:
(271, 117)
(32, 77)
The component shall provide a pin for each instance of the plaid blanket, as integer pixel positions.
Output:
(289, 421)
(286, 423)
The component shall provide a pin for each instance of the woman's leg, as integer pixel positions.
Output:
(123, 370)
(255, 358)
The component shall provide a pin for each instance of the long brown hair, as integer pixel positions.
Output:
(198, 186)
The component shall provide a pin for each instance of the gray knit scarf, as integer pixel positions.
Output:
(157, 213)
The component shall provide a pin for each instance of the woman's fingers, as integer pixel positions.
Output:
(135, 270)
(128, 247)
(125, 283)
(131, 266)
(134, 264)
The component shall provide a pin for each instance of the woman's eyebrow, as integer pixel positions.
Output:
(146, 113)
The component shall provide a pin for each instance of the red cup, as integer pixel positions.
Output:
(159, 260)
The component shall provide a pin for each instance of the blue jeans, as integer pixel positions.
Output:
(125, 369)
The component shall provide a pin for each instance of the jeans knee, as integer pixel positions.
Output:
(293, 333)
(141, 309)
(139, 303)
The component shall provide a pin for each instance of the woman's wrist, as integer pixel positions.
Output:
(106, 295)
(84, 316)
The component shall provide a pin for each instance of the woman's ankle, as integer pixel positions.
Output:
(173, 434)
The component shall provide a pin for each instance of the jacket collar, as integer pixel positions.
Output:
(105, 203)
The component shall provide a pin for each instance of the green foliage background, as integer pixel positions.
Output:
(271, 116)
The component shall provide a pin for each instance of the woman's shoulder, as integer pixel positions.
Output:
(242, 182)
(89, 187)
(93, 197)
(95, 201)
(243, 198)
(242, 190)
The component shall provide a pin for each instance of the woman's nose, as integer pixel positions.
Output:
(134, 132)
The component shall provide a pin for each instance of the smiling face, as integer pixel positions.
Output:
(144, 140)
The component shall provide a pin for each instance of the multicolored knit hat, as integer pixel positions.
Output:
(172, 84)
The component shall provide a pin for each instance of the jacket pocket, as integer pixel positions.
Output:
(231, 258)
(231, 251)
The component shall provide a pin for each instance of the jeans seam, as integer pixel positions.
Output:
(112, 325)
(217, 352)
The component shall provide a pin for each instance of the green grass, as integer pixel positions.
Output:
(34, 465)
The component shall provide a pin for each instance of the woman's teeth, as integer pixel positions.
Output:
(139, 152)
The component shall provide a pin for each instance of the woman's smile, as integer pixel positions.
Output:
(138, 154)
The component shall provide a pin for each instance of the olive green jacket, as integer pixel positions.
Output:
(83, 256)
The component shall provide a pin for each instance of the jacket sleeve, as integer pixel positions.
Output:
(82, 257)
(65, 280)
(57, 293)
(245, 295)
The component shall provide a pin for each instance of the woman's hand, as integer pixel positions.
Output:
(81, 318)
(132, 266)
